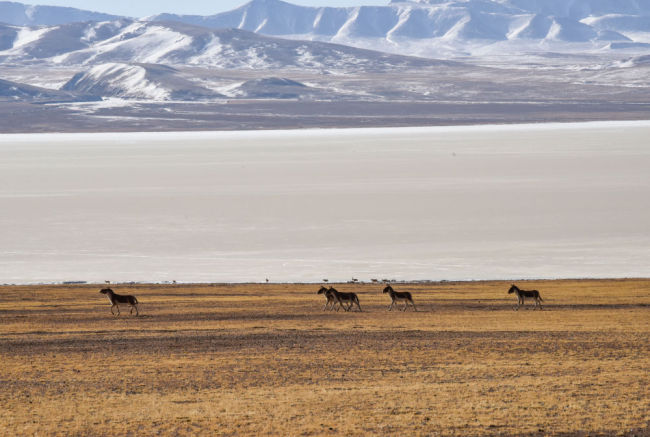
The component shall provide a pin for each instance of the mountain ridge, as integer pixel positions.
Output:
(446, 28)
(278, 17)
(19, 14)
(428, 28)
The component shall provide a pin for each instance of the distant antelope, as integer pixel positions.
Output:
(117, 299)
(331, 299)
(523, 294)
(350, 298)
(399, 295)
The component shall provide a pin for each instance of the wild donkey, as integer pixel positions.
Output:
(331, 299)
(397, 296)
(523, 294)
(350, 298)
(117, 299)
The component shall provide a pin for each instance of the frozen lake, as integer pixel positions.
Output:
(484, 202)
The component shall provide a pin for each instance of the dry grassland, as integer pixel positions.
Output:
(266, 360)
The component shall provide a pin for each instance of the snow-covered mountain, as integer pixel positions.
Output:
(165, 61)
(226, 56)
(448, 27)
(173, 43)
(442, 29)
(31, 15)
(431, 28)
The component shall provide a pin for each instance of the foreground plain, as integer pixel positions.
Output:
(265, 359)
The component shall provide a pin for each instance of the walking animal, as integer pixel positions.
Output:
(331, 300)
(350, 298)
(117, 299)
(523, 294)
(397, 296)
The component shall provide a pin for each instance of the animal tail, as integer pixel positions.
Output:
(540, 298)
(135, 300)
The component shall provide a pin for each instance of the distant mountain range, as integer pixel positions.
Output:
(270, 49)
(175, 43)
(433, 28)
(442, 28)
(154, 60)
(496, 20)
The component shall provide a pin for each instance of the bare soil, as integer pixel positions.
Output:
(278, 114)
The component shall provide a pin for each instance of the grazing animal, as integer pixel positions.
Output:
(331, 300)
(117, 299)
(523, 294)
(396, 296)
(350, 298)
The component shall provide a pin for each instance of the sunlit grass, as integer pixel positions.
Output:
(264, 359)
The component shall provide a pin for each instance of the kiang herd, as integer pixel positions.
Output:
(335, 300)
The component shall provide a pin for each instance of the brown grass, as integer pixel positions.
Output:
(264, 359)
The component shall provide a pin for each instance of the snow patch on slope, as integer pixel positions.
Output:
(24, 37)
(117, 80)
